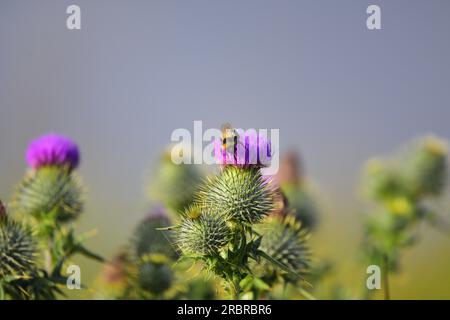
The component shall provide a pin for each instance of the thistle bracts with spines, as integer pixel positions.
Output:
(202, 234)
(50, 192)
(17, 250)
(285, 239)
(242, 194)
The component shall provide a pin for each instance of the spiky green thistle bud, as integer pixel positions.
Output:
(419, 170)
(155, 275)
(426, 166)
(285, 240)
(242, 194)
(17, 249)
(147, 239)
(203, 235)
(382, 180)
(49, 191)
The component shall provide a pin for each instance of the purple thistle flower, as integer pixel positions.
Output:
(251, 149)
(52, 150)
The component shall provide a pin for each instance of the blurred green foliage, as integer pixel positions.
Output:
(403, 189)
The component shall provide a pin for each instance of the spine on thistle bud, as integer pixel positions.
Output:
(17, 248)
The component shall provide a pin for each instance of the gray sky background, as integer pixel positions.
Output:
(139, 69)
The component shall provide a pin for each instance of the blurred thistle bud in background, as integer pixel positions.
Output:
(402, 187)
(155, 274)
(426, 166)
(418, 170)
(174, 185)
(144, 269)
(148, 239)
(382, 180)
(295, 188)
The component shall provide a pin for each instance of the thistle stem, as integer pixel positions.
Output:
(387, 295)
(233, 285)
(307, 295)
(48, 255)
(235, 290)
(48, 260)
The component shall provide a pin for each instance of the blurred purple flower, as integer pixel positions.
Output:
(157, 213)
(252, 149)
(52, 150)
